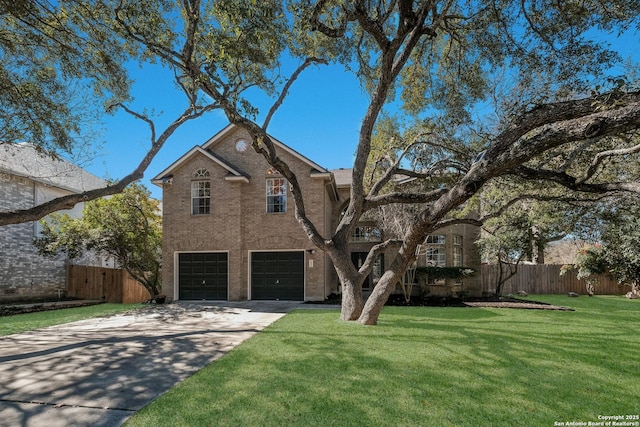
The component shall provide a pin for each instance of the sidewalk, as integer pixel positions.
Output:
(99, 372)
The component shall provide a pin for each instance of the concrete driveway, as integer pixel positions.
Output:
(99, 372)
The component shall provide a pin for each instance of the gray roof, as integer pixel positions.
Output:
(23, 160)
(343, 177)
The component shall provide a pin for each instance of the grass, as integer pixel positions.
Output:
(29, 321)
(421, 367)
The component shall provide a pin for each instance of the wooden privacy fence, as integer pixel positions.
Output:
(110, 284)
(546, 279)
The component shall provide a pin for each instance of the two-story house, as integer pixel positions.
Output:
(229, 230)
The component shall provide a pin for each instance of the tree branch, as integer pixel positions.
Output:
(541, 198)
(68, 202)
(407, 198)
(287, 86)
(391, 170)
(570, 182)
(376, 250)
(602, 156)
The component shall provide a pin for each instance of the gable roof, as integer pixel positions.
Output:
(25, 161)
(234, 174)
(279, 145)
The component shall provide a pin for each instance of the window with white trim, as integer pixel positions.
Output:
(457, 250)
(201, 173)
(201, 193)
(436, 257)
(200, 197)
(435, 251)
(436, 239)
(276, 195)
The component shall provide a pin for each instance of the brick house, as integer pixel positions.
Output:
(27, 179)
(229, 230)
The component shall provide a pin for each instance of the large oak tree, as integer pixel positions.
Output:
(439, 59)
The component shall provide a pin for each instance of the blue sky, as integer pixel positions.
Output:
(320, 119)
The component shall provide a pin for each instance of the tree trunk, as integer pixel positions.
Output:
(352, 301)
(540, 245)
(387, 283)
(351, 283)
(379, 296)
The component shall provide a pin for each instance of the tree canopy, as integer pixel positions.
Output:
(61, 63)
(525, 83)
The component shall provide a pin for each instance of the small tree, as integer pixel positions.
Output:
(503, 242)
(126, 226)
(617, 230)
(621, 240)
(590, 262)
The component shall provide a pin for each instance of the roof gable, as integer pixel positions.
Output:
(279, 145)
(234, 173)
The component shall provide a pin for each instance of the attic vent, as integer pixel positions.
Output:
(201, 173)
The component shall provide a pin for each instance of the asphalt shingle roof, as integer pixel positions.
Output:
(23, 160)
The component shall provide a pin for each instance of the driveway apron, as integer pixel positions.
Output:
(99, 372)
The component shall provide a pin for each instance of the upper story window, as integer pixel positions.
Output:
(276, 195)
(366, 233)
(201, 192)
(435, 251)
(436, 239)
(436, 257)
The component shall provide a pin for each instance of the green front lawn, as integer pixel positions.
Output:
(422, 367)
(42, 319)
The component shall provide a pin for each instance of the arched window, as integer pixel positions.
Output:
(201, 173)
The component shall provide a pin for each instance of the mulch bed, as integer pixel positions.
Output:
(22, 308)
(494, 302)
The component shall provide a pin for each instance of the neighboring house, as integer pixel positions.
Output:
(27, 179)
(229, 230)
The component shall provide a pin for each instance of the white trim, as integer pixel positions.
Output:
(320, 175)
(304, 266)
(235, 178)
(197, 150)
(267, 195)
(277, 143)
(176, 270)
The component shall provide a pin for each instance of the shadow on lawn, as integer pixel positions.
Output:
(472, 366)
(422, 366)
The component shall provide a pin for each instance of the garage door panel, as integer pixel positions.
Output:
(277, 275)
(203, 275)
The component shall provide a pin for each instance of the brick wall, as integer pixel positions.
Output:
(238, 222)
(23, 272)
